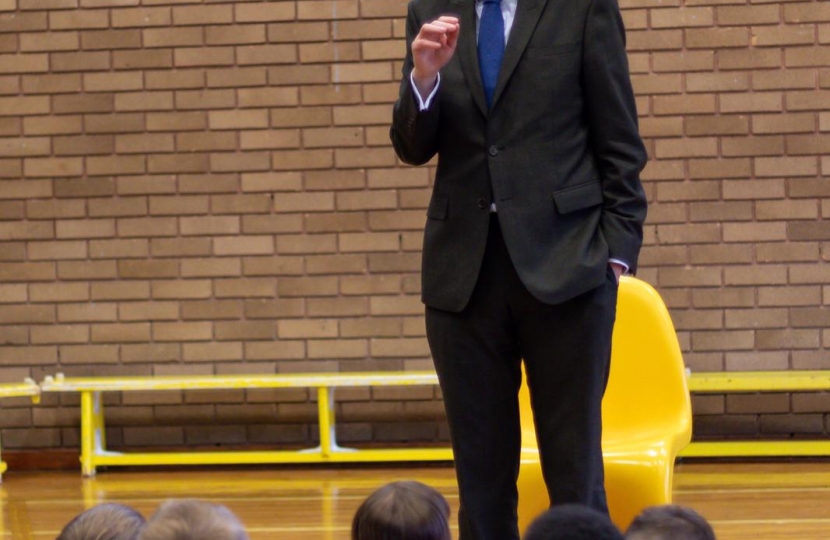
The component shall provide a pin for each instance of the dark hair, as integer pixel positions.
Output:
(406, 510)
(669, 522)
(108, 521)
(572, 522)
(189, 519)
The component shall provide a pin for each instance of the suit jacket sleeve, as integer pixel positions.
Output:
(615, 139)
(413, 132)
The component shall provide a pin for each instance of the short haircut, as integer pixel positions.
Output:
(107, 521)
(669, 522)
(572, 522)
(188, 519)
(405, 510)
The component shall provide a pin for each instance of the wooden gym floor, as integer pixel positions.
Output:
(743, 501)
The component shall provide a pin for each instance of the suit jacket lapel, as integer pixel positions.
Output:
(524, 24)
(467, 50)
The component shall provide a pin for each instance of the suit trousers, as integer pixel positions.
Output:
(478, 353)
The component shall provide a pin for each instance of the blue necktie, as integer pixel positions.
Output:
(490, 46)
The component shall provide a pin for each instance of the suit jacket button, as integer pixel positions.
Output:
(493, 151)
(482, 203)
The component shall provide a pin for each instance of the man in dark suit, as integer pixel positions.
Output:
(536, 210)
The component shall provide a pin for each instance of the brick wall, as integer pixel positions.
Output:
(208, 187)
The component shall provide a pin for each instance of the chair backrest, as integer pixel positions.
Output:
(647, 389)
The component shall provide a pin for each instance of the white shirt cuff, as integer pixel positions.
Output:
(621, 263)
(422, 103)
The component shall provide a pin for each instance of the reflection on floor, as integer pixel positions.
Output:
(743, 501)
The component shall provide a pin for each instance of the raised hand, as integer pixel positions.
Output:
(432, 49)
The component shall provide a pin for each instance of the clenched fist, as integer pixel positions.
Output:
(432, 49)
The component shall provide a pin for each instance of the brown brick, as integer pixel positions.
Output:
(52, 125)
(75, 19)
(686, 104)
(815, 317)
(107, 82)
(787, 252)
(274, 308)
(174, 80)
(749, 14)
(114, 165)
(19, 106)
(788, 339)
(110, 39)
(179, 289)
(144, 101)
(182, 331)
(783, 123)
(205, 99)
(207, 56)
(317, 243)
(141, 17)
(753, 189)
(298, 74)
(202, 15)
(177, 121)
(717, 82)
(57, 250)
(212, 352)
(81, 145)
(301, 117)
(328, 9)
(808, 231)
(118, 249)
(705, 38)
(173, 37)
(121, 290)
(766, 274)
(180, 247)
(786, 166)
(114, 123)
(681, 17)
(683, 61)
(675, 148)
(26, 189)
(237, 77)
(806, 12)
(806, 56)
(266, 54)
(295, 32)
(143, 59)
(788, 209)
(179, 163)
(726, 340)
(280, 11)
(756, 318)
(783, 79)
(143, 185)
(753, 102)
(146, 227)
(748, 58)
(86, 270)
(752, 146)
(720, 254)
(273, 266)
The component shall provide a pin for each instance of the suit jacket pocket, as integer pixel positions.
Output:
(578, 197)
(438, 208)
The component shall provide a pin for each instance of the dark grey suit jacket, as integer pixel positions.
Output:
(559, 151)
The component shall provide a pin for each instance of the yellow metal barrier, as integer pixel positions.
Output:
(94, 451)
(28, 388)
(758, 381)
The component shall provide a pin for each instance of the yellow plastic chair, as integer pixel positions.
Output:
(646, 413)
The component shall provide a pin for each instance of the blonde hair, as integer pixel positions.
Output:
(108, 521)
(188, 519)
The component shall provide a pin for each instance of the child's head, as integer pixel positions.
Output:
(403, 511)
(669, 522)
(108, 521)
(188, 519)
(572, 522)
